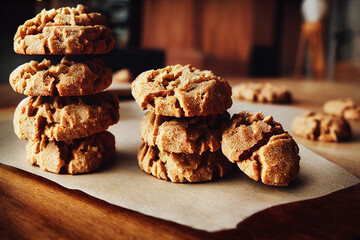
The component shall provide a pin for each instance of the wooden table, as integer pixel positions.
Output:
(32, 207)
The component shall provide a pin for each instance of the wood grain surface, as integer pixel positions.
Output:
(32, 207)
(35, 208)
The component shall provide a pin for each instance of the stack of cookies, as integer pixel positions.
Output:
(66, 114)
(181, 132)
(188, 135)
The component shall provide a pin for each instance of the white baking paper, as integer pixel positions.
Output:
(210, 206)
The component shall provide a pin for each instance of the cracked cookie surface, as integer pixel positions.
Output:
(183, 167)
(74, 156)
(65, 118)
(181, 91)
(321, 127)
(261, 148)
(183, 135)
(64, 31)
(73, 76)
(262, 92)
(345, 108)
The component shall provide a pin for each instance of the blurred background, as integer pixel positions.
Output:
(314, 39)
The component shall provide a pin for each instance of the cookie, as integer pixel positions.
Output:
(261, 148)
(321, 127)
(65, 118)
(183, 135)
(123, 76)
(181, 91)
(73, 76)
(75, 156)
(183, 167)
(64, 31)
(262, 92)
(345, 108)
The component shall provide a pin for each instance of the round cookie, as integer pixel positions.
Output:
(73, 76)
(262, 92)
(74, 156)
(183, 167)
(345, 108)
(65, 118)
(321, 127)
(261, 148)
(64, 31)
(181, 91)
(183, 135)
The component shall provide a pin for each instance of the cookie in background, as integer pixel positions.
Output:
(345, 108)
(123, 76)
(262, 92)
(321, 127)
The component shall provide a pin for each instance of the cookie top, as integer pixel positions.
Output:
(261, 148)
(65, 118)
(73, 76)
(182, 91)
(321, 127)
(183, 135)
(74, 156)
(64, 31)
(345, 108)
(262, 92)
(183, 167)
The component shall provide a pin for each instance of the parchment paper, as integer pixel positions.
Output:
(210, 206)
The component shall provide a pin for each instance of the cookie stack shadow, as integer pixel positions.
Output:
(188, 135)
(67, 112)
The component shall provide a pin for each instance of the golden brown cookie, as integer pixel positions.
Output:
(183, 167)
(345, 108)
(261, 148)
(64, 31)
(73, 76)
(65, 118)
(183, 135)
(262, 92)
(123, 76)
(321, 127)
(182, 91)
(75, 156)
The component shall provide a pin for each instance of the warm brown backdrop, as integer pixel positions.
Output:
(226, 36)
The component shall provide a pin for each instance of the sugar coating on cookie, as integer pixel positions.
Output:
(182, 91)
(65, 118)
(73, 76)
(74, 156)
(345, 108)
(261, 148)
(262, 92)
(183, 135)
(321, 127)
(183, 167)
(64, 31)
